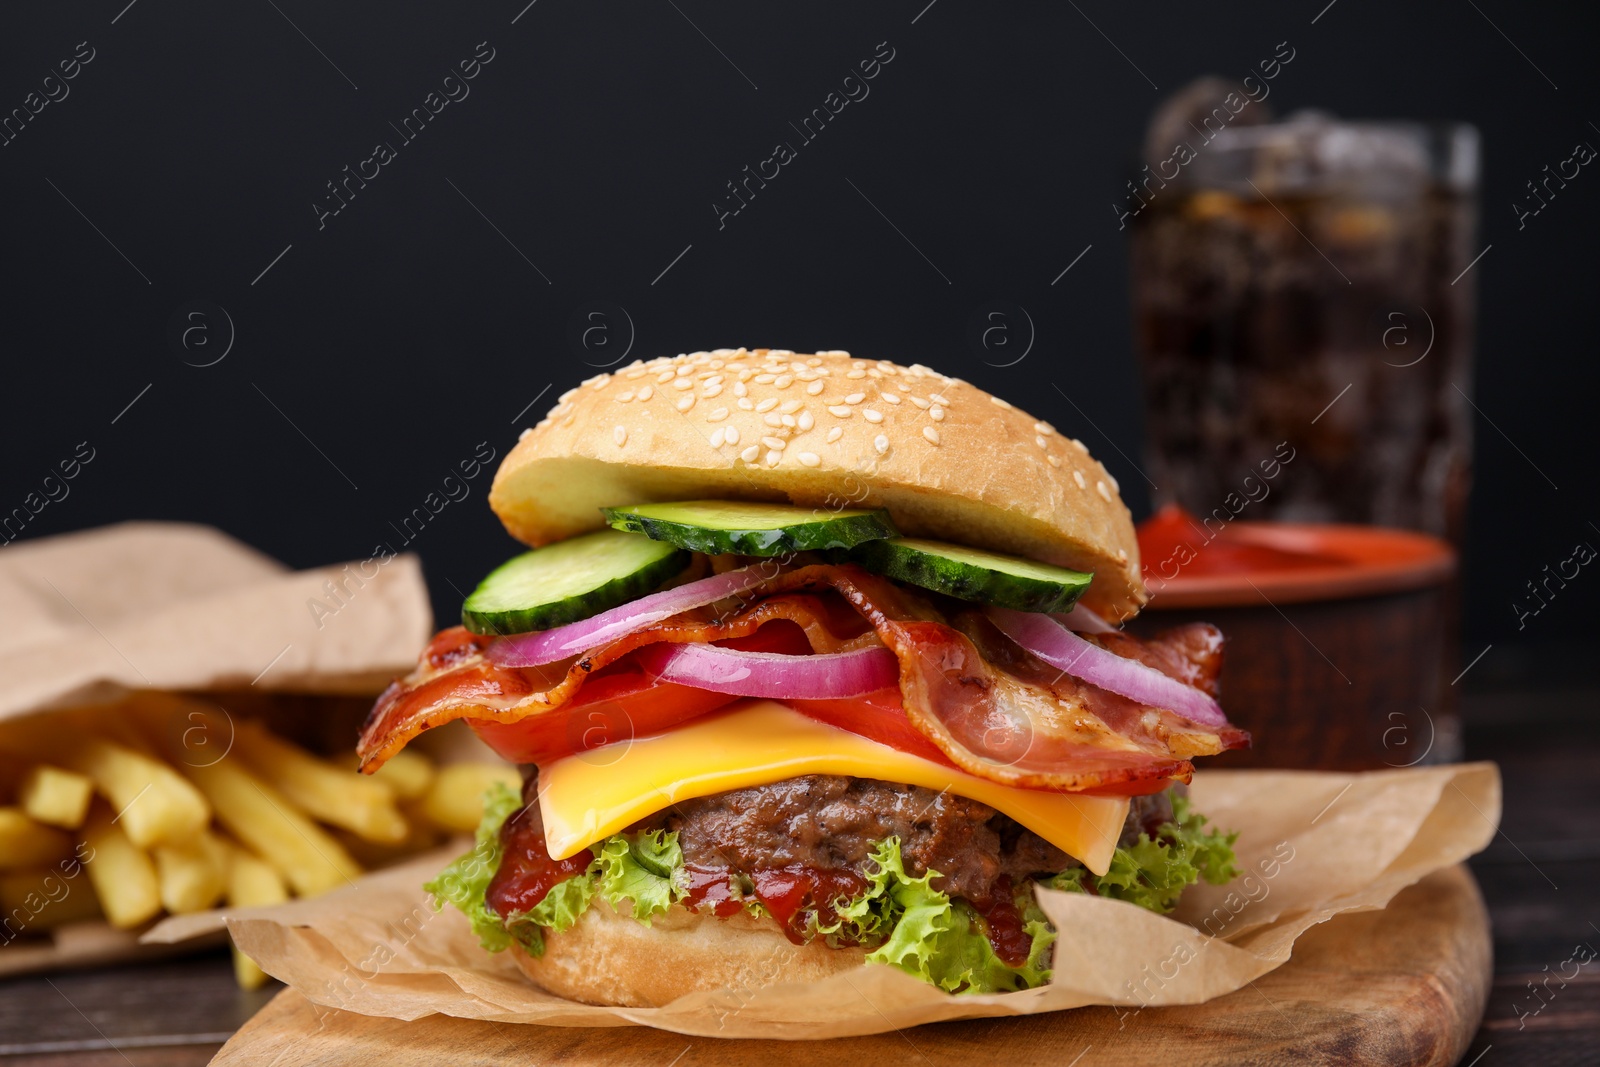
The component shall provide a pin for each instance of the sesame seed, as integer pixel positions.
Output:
(620, 436)
(1040, 441)
(936, 413)
(746, 404)
(937, 399)
(1114, 486)
(768, 404)
(835, 433)
(711, 391)
(647, 392)
(1077, 476)
(717, 415)
(733, 435)
(997, 402)
(1100, 487)
(524, 434)
(718, 435)
(790, 407)
(717, 364)
(872, 415)
(566, 396)
(683, 383)
(887, 367)
(1055, 461)
(685, 403)
(739, 388)
(765, 379)
(787, 420)
(805, 421)
(773, 457)
(816, 387)
(1044, 428)
(772, 418)
(881, 443)
(1122, 555)
(891, 397)
(774, 443)
(683, 372)
(874, 372)
(813, 362)
(857, 373)
(841, 353)
(623, 398)
(634, 374)
(666, 376)
(839, 411)
(784, 381)
(1081, 446)
(855, 398)
(750, 454)
(931, 434)
(921, 403)
(810, 459)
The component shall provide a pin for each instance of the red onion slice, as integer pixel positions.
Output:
(829, 676)
(1082, 619)
(1058, 646)
(548, 646)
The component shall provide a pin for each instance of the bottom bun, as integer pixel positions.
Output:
(607, 958)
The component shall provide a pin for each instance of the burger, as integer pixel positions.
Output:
(814, 664)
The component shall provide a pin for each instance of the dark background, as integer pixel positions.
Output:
(431, 312)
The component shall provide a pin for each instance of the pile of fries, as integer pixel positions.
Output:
(173, 805)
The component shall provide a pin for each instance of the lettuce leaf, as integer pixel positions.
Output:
(641, 870)
(917, 928)
(465, 881)
(1153, 872)
(933, 938)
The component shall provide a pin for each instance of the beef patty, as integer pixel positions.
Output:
(829, 822)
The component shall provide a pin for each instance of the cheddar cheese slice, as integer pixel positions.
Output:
(589, 796)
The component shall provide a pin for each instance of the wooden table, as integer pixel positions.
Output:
(1541, 878)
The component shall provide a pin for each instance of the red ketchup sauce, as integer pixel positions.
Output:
(789, 893)
(1172, 541)
(527, 873)
(1002, 922)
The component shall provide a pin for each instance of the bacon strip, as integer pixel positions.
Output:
(995, 711)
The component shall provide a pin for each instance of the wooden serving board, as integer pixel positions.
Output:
(1405, 985)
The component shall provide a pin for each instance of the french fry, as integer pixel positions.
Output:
(455, 800)
(251, 882)
(155, 803)
(43, 898)
(193, 875)
(123, 876)
(55, 796)
(261, 817)
(408, 774)
(26, 843)
(333, 795)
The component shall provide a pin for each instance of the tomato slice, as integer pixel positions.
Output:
(622, 702)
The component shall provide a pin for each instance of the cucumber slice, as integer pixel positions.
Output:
(570, 580)
(972, 574)
(716, 527)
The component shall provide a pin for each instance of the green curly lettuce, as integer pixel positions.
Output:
(465, 881)
(640, 871)
(1153, 872)
(915, 927)
(934, 938)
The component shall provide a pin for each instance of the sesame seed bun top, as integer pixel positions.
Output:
(948, 460)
